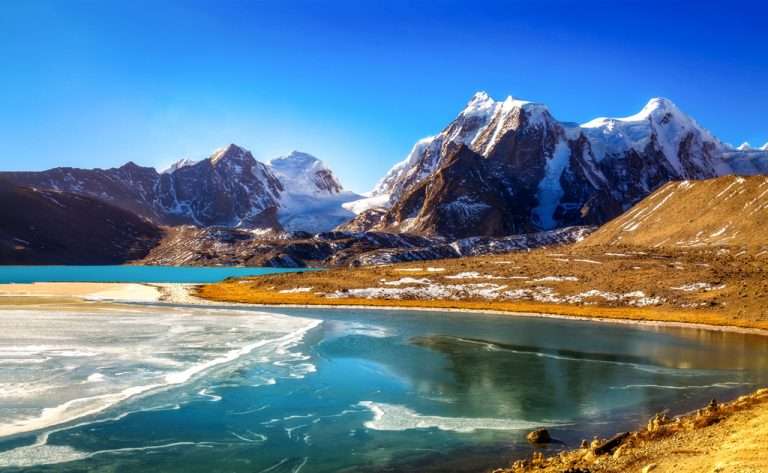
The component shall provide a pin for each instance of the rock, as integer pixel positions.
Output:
(612, 444)
(619, 451)
(649, 467)
(539, 436)
(657, 422)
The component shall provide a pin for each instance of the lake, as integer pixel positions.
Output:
(181, 389)
(148, 274)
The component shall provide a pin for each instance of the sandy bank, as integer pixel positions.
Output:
(124, 292)
(190, 294)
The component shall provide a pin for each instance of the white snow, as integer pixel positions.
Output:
(431, 291)
(312, 199)
(361, 205)
(698, 286)
(387, 185)
(550, 191)
(556, 279)
(467, 128)
(473, 275)
(464, 208)
(492, 291)
(181, 163)
(314, 213)
(464, 275)
(302, 173)
(296, 290)
(660, 118)
(403, 281)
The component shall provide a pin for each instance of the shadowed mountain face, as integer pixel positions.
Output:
(50, 227)
(509, 166)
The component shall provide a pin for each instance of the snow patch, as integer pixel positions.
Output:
(550, 191)
(296, 290)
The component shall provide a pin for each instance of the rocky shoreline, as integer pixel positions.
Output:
(721, 437)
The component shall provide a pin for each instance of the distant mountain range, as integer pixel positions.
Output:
(509, 167)
(499, 169)
(230, 189)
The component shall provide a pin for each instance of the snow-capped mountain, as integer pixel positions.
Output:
(302, 173)
(312, 199)
(229, 188)
(508, 167)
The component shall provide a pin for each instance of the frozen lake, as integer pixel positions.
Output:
(146, 388)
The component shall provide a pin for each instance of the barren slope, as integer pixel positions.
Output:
(725, 212)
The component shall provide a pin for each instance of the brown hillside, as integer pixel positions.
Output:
(49, 227)
(728, 211)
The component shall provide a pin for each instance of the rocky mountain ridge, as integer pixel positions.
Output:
(508, 167)
(193, 246)
(229, 188)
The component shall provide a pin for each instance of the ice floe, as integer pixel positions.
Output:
(395, 417)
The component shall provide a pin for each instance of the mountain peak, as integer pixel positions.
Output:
(480, 96)
(130, 165)
(298, 158)
(764, 147)
(229, 152)
(744, 146)
(656, 107)
(302, 173)
(482, 103)
(660, 103)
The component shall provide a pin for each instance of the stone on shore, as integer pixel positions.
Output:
(539, 436)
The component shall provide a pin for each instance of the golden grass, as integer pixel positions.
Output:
(689, 213)
(731, 434)
(238, 293)
(743, 302)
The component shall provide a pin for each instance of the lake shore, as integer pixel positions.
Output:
(701, 288)
(85, 291)
(194, 294)
(724, 438)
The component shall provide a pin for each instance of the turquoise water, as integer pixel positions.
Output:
(310, 390)
(150, 274)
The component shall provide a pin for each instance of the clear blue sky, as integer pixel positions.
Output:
(95, 84)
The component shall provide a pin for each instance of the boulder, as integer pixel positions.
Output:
(539, 436)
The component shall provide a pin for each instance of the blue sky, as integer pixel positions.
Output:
(95, 84)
